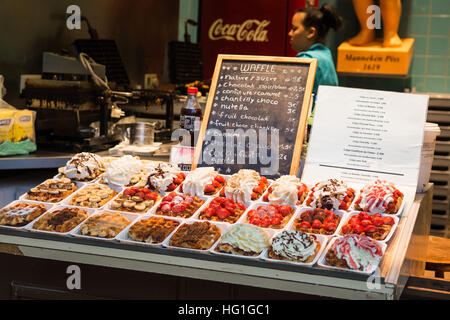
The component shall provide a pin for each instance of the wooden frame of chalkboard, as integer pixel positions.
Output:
(253, 88)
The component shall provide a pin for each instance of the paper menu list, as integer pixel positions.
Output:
(361, 135)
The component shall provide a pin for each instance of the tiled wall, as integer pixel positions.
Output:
(428, 22)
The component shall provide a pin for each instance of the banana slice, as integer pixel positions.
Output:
(115, 205)
(140, 206)
(80, 198)
(129, 204)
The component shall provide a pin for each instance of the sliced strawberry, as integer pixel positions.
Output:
(127, 192)
(358, 229)
(330, 226)
(378, 221)
(178, 208)
(389, 220)
(220, 179)
(165, 208)
(305, 224)
(365, 223)
(371, 229)
(210, 212)
(317, 224)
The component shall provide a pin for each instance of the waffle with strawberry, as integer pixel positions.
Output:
(135, 199)
(380, 196)
(270, 216)
(223, 209)
(331, 194)
(354, 252)
(374, 226)
(319, 221)
(244, 186)
(204, 181)
(179, 205)
(287, 190)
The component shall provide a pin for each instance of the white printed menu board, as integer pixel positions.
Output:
(361, 135)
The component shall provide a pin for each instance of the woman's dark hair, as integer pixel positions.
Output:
(322, 19)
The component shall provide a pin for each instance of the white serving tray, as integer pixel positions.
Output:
(76, 232)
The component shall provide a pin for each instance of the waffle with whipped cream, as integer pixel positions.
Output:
(204, 181)
(287, 189)
(381, 196)
(294, 246)
(245, 186)
(331, 194)
(83, 166)
(243, 239)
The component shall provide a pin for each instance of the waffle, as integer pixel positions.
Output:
(373, 226)
(152, 230)
(198, 235)
(176, 205)
(106, 225)
(332, 260)
(331, 194)
(93, 196)
(21, 214)
(223, 210)
(287, 189)
(270, 216)
(381, 196)
(327, 222)
(63, 220)
(84, 167)
(135, 200)
(243, 239)
(52, 190)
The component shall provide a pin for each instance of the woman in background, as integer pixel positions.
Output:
(310, 27)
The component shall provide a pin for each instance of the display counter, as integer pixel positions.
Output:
(405, 256)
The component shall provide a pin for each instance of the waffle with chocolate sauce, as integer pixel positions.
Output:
(21, 214)
(63, 220)
(198, 235)
(52, 190)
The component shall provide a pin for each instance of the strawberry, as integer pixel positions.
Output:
(365, 223)
(266, 198)
(165, 207)
(276, 221)
(317, 224)
(220, 179)
(241, 206)
(209, 188)
(285, 210)
(371, 229)
(346, 229)
(378, 221)
(178, 208)
(330, 226)
(305, 224)
(127, 192)
(358, 229)
(257, 190)
(210, 212)
(222, 213)
(389, 221)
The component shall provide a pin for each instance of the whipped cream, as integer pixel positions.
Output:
(246, 237)
(294, 245)
(119, 172)
(329, 194)
(83, 166)
(196, 181)
(284, 190)
(376, 197)
(358, 251)
(241, 184)
(162, 176)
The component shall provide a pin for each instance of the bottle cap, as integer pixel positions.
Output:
(192, 90)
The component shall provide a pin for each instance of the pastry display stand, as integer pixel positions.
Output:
(405, 257)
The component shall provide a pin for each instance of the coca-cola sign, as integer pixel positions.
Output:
(249, 30)
(250, 27)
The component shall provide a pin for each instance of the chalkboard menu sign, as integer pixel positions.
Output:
(255, 116)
